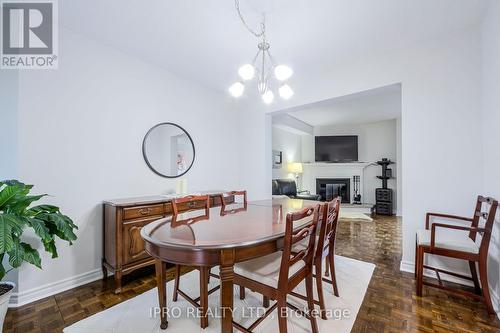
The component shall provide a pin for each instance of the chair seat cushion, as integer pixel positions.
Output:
(458, 241)
(265, 269)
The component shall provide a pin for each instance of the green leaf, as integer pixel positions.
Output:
(64, 226)
(23, 252)
(31, 255)
(2, 271)
(9, 192)
(16, 254)
(15, 214)
(40, 229)
(50, 247)
(22, 203)
(7, 225)
(42, 209)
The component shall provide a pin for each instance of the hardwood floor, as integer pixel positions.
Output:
(390, 304)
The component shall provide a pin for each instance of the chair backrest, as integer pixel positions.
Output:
(484, 218)
(230, 203)
(290, 258)
(328, 228)
(194, 202)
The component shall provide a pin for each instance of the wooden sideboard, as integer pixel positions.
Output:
(123, 246)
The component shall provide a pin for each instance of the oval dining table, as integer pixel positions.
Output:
(225, 238)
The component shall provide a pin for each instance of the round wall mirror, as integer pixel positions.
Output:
(168, 150)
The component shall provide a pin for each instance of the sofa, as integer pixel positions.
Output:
(288, 187)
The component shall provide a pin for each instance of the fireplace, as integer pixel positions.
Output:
(329, 188)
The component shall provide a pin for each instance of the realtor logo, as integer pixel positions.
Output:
(29, 34)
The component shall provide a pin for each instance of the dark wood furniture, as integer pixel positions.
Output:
(200, 202)
(384, 196)
(222, 240)
(123, 247)
(463, 247)
(325, 248)
(273, 275)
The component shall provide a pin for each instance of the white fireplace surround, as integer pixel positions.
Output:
(312, 171)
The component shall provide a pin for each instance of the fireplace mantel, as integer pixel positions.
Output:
(361, 165)
(313, 171)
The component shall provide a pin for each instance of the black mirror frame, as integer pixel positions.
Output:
(146, 158)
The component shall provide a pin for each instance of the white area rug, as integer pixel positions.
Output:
(134, 315)
(355, 216)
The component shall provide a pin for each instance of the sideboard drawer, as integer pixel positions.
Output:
(131, 213)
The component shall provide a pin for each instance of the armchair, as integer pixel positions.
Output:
(288, 187)
(438, 240)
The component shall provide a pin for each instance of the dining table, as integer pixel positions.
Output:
(229, 235)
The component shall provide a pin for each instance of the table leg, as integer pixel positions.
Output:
(203, 296)
(161, 268)
(226, 290)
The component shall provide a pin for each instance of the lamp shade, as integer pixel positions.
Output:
(295, 167)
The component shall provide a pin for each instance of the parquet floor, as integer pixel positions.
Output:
(390, 304)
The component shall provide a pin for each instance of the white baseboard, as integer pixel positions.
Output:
(49, 289)
(408, 266)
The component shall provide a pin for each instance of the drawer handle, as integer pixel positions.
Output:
(191, 204)
(145, 211)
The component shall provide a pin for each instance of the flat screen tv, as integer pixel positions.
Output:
(336, 149)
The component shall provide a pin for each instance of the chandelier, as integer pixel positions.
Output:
(263, 67)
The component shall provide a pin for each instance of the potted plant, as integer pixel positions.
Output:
(17, 213)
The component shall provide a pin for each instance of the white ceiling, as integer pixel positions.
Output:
(203, 40)
(363, 107)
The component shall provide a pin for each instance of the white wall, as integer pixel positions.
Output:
(375, 140)
(8, 137)
(491, 121)
(80, 134)
(440, 123)
(290, 145)
(8, 121)
(254, 157)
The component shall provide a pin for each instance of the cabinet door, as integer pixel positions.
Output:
(133, 244)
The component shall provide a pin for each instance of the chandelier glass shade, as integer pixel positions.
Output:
(268, 74)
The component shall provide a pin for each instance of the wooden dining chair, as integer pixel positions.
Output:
(439, 239)
(277, 274)
(233, 202)
(325, 248)
(194, 203)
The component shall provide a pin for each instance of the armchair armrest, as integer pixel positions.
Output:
(449, 226)
(447, 216)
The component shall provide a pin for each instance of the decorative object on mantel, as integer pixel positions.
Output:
(383, 196)
(264, 72)
(16, 213)
(168, 150)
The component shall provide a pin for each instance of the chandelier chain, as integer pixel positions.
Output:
(252, 31)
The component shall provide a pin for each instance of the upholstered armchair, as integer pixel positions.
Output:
(288, 187)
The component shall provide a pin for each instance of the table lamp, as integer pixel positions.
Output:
(295, 168)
